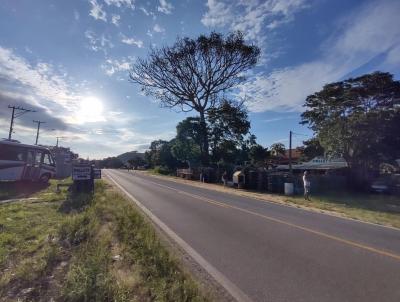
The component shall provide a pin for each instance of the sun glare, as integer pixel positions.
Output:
(90, 110)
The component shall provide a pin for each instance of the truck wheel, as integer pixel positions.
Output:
(45, 178)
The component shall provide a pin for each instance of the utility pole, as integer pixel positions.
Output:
(290, 152)
(59, 137)
(38, 128)
(16, 112)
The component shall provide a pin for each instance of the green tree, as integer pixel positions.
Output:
(359, 119)
(228, 125)
(136, 161)
(187, 151)
(278, 149)
(257, 153)
(188, 141)
(312, 148)
(160, 154)
(227, 152)
(192, 74)
(111, 162)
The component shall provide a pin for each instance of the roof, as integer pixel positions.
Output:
(18, 144)
(296, 153)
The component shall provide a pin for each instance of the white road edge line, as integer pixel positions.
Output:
(231, 288)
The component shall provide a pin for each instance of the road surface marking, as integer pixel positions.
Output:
(231, 288)
(284, 204)
(322, 234)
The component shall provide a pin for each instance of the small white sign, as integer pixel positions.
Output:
(81, 172)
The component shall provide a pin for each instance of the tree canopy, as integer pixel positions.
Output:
(188, 141)
(193, 73)
(258, 153)
(228, 124)
(160, 154)
(312, 148)
(278, 149)
(358, 118)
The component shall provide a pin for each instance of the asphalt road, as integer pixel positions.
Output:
(273, 252)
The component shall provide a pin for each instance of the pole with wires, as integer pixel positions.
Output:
(290, 152)
(38, 129)
(59, 138)
(16, 112)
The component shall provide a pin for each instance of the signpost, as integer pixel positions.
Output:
(81, 172)
(83, 175)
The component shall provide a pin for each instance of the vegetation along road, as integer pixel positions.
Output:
(261, 251)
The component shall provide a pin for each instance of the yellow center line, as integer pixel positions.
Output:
(322, 234)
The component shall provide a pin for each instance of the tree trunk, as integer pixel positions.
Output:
(358, 176)
(204, 135)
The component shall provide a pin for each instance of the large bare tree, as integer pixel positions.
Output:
(193, 73)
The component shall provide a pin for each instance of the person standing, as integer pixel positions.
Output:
(307, 185)
(225, 178)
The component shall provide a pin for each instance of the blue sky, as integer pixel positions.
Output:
(69, 60)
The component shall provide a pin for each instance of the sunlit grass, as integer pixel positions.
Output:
(96, 248)
(376, 208)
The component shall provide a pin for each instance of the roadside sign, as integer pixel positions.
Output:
(81, 172)
(97, 173)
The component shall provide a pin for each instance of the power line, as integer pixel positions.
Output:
(301, 134)
(16, 112)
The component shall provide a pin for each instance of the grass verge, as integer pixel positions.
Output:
(375, 208)
(85, 248)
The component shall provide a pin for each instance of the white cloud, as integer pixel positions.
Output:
(257, 19)
(97, 43)
(115, 19)
(121, 3)
(112, 66)
(41, 84)
(97, 11)
(132, 41)
(43, 87)
(28, 50)
(219, 14)
(165, 7)
(374, 29)
(158, 29)
(276, 119)
(147, 13)
(251, 16)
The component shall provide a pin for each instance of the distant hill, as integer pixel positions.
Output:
(124, 157)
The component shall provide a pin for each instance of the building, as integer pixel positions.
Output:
(63, 158)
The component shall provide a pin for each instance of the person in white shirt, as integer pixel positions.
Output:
(307, 185)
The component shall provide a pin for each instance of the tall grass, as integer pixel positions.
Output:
(112, 225)
(98, 247)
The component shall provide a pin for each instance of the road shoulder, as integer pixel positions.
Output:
(391, 220)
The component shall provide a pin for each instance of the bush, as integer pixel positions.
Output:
(162, 170)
